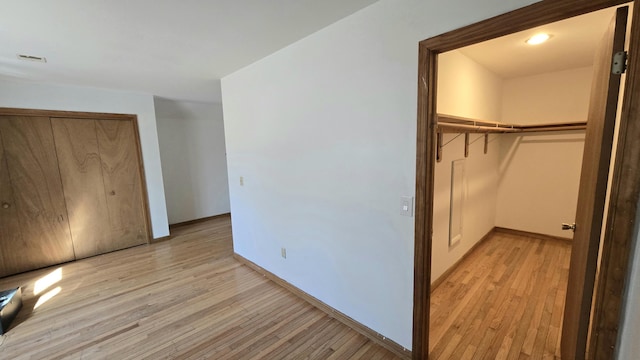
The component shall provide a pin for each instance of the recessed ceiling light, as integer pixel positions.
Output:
(538, 39)
(32, 58)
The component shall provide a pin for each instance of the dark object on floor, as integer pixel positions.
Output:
(10, 304)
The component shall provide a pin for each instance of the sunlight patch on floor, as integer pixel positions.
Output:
(47, 281)
(46, 297)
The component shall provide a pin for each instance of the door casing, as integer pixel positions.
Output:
(626, 173)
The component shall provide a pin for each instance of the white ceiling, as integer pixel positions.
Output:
(169, 48)
(572, 45)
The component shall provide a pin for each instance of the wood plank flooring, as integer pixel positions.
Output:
(184, 298)
(505, 301)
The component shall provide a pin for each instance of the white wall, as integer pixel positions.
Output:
(540, 172)
(194, 161)
(469, 90)
(323, 133)
(539, 181)
(547, 98)
(30, 95)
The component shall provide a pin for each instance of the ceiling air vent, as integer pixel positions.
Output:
(32, 58)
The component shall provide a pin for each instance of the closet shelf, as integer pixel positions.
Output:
(455, 124)
(460, 125)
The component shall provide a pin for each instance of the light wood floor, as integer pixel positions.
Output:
(505, 301)
(185, 298)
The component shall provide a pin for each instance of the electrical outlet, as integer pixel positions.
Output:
(283, 252)
(241, 180)
(406, 206)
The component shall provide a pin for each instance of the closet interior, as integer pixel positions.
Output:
(510, 139)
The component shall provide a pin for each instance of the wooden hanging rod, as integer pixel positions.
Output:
(455, 124)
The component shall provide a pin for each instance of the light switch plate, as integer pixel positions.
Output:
(406, 205)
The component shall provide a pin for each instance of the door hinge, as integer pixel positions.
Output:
(619, 65)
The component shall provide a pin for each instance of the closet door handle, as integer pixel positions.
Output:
(6, 205)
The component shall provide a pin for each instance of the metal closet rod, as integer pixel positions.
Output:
(448, 123)
(446, 127)
(454, 124)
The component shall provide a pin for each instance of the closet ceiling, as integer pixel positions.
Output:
(174, 49)
(572, 45)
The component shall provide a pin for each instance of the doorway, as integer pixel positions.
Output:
(529, 17)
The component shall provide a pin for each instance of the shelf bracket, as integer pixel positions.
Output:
(466, 145)
(439, 147)
(486, 143)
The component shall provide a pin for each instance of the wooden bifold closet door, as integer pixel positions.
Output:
(70, 187)
(102, 184)
(34, 231)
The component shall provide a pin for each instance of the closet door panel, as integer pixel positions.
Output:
(81, 172)
(122, 181)
(10, 233)
(32, 168)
